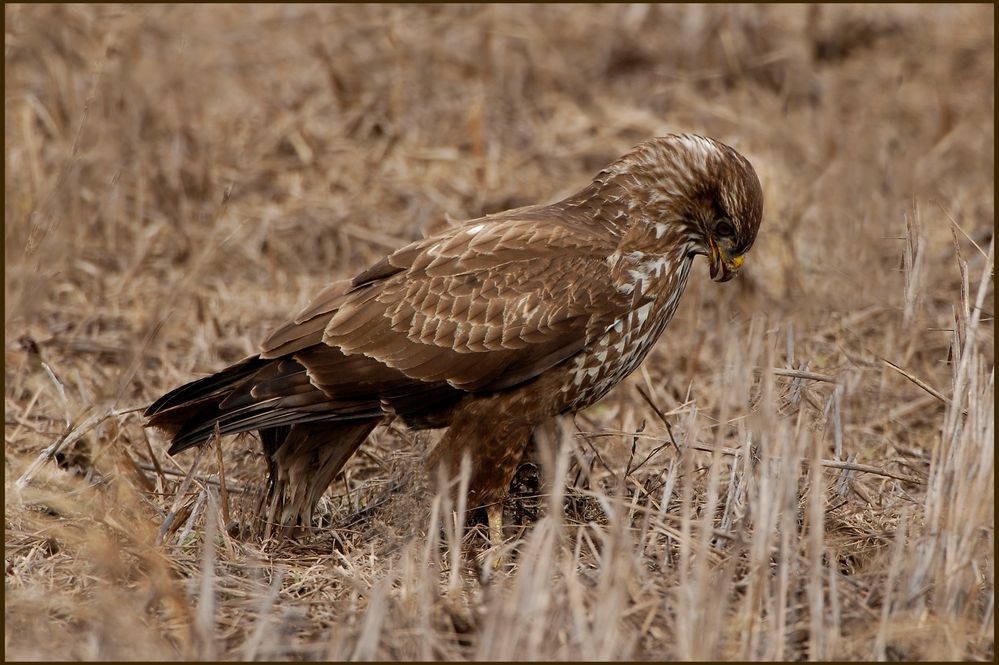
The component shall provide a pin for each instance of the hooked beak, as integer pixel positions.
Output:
(722, 267)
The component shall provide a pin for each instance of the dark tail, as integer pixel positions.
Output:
(194, 406)
(307, 437)
(254, 394)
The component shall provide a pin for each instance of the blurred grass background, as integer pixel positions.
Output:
(179, 179)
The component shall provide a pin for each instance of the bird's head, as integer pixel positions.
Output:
(696, 193)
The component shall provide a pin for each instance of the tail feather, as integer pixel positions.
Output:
(263, 416)
(248, 396)
(303, 460)
(202, 389)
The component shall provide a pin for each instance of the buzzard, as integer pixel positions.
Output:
(488, 328)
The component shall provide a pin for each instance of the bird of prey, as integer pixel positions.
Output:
(489, 327)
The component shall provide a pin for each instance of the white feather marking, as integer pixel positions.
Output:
(475, 229)
(639, 275)
(643, 313)
(657, 266)
(698, 148)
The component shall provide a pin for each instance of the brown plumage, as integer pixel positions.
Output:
(488, 327)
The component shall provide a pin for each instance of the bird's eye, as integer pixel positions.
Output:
(724, 229)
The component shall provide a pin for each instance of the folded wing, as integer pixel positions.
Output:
(481, 307)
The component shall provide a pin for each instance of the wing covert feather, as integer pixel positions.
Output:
(482, 306)
(485, 306)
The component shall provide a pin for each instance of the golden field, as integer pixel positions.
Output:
(803, 468)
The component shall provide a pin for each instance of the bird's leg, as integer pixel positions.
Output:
(494, 512)
(493, 431)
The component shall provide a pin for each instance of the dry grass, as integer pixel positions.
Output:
(178, 179)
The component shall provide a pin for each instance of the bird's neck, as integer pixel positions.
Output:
(653, 258)
(651, 254)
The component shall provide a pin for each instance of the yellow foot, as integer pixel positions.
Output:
(494, 512)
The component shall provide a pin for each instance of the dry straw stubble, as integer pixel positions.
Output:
(179, 179)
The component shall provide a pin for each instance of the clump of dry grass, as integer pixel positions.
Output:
(803, 468)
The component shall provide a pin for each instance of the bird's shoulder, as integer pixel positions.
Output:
(508, 242)
(519, 273)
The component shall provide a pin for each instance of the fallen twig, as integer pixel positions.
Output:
(828, 463)
(662, 417)
(70, 437)
(864, 468)
(178, 497)
(231, 487)
(156, 461)
(725, 450)
(919, 382)
(801, 374)
(217, 440)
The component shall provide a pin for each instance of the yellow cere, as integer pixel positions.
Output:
(736, 262)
